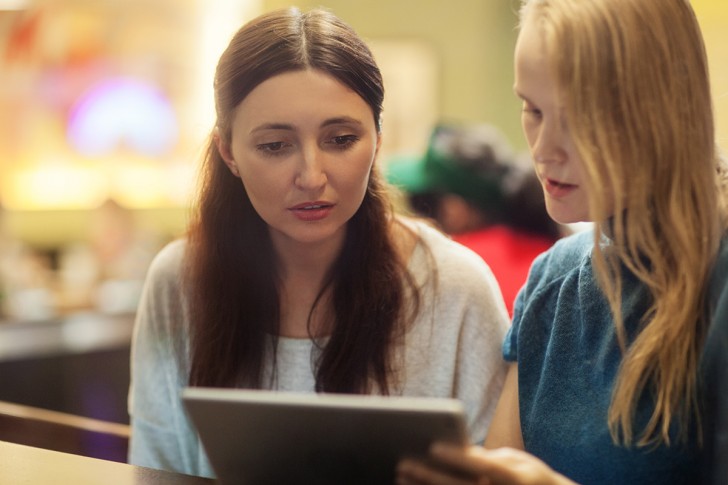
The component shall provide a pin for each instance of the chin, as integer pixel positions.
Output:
(563, 217)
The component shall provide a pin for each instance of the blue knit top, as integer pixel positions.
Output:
(564, 340)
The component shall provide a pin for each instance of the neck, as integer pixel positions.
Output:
(303, 271)
(309, 261)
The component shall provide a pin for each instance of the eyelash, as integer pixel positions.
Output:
(532, 111)
(344, 142)
(271, 149)
(277, 148)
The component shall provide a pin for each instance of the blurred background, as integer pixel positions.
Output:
(105, 106)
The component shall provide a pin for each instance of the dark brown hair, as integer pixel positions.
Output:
(231, 274)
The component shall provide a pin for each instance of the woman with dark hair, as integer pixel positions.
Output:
(295, 273)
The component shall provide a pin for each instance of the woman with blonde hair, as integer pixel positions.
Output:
(616, 331)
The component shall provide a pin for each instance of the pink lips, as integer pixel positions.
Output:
(312, 211)
(558, 190)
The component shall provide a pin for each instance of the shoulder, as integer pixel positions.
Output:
(162, 306)
(165, 271)
(168, 261)
(565, 256)
(457, 283)
(562, 273)
(455, 277)
(449, 258)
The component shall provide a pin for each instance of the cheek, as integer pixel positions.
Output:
(355, 171)
(354, 184)
(529, 133)
(261, 183)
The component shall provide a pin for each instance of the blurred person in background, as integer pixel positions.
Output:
(122, 247)
(472, 185)
(123, 250)
(296, 275)
(106, 270)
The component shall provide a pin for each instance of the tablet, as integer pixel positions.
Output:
(269, 437)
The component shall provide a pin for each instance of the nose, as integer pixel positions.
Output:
(550, 145)
(311, 174)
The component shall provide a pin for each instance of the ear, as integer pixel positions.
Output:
(225, 153)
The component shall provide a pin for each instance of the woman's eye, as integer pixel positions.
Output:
(271, 148)
(344, 141)
(531, 110)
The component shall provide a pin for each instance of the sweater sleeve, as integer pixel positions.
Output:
(460, 332)
(480, 371)
(162, 436)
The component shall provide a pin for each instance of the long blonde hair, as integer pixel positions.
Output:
(640, 113)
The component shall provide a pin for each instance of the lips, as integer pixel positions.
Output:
(307, 206)
(312, 211)
(558, 189)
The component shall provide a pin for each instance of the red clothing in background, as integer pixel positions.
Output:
(509, 254)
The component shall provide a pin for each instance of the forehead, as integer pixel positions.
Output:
(534, 70)
(300, 94)
(530, 53)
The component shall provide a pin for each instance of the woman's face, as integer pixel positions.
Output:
(558, 166)
(303, 144)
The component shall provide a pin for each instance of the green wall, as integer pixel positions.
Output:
(473, 40)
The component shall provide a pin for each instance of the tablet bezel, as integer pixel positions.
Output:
(259, 436)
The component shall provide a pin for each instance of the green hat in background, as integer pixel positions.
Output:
(409, 173)
(472, 161)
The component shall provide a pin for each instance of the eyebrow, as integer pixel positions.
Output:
(340, 120)
(272, 126)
